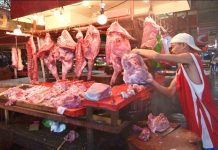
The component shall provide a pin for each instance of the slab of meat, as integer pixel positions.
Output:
(65, 41)
(137, 88)
(32, 61)
(46, 46)
(66, 57)
(98, 91)
(20, 62)
(14, 94)
(150, 31)
(117, 44)
(67, 47)
(80, 58)
(135, 70)
(49, 53)
(145, 134)
(158, 123)
(14, 57)
(91, 46)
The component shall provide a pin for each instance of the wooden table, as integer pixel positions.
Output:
(113, 105)
(179, 139)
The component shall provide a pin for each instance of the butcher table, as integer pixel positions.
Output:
(112, 105)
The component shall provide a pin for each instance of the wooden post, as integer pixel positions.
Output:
(41, 62)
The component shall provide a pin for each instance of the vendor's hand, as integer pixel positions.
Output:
(150, 79)
(151, 54)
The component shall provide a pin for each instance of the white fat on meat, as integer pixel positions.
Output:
(32, 65)
(91, 46)
(150, 32)
(80, 58)
(98, 91)
(67, 47)
(49, 53)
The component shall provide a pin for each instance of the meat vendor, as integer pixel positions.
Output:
(192, 86)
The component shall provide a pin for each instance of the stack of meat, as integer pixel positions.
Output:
(117, 44)
(158, 123)
(16, 59)
(49, 53)
(150, 31)
(135, 70)
(67, 47)
(32, 61)
(80, 59)
(62, 93)
(91, 46)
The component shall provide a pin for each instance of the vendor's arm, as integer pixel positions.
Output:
(168, 91)
(177, 58)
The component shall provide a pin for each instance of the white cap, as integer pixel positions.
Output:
(185, 38)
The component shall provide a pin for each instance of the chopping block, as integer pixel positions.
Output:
(179, 139)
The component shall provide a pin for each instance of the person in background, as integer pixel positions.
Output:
(192, 86)
(214, 63)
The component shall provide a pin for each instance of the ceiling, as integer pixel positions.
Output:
(77, 13)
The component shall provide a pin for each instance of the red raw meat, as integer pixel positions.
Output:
(135, 70)
(91, 46)
(117, 44)
(80, 58)
(150, 31)
(158, 123)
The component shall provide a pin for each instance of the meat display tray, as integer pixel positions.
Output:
(116, 102)
(73, 112)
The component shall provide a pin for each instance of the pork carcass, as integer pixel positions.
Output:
(80, 58)
(98, 91)
(32, 65)
(91, 46)
(150, 31)
(20, 62)
(117, 44)
(65, 41)
(14, 57)
(135, 70)
(67, 47)
(49, 53)
(158, 123)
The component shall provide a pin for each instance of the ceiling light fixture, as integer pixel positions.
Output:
(17, 32)
(102, 19)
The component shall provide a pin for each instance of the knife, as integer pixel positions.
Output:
(170, 130)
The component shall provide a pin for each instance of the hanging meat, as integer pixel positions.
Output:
(20, 62)
(91, 46)
(117, 44)
(67, 47)
(49, 53)
(14, 57)
(32, 61)
(135, 70)
(80, 59)
(150, 31)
